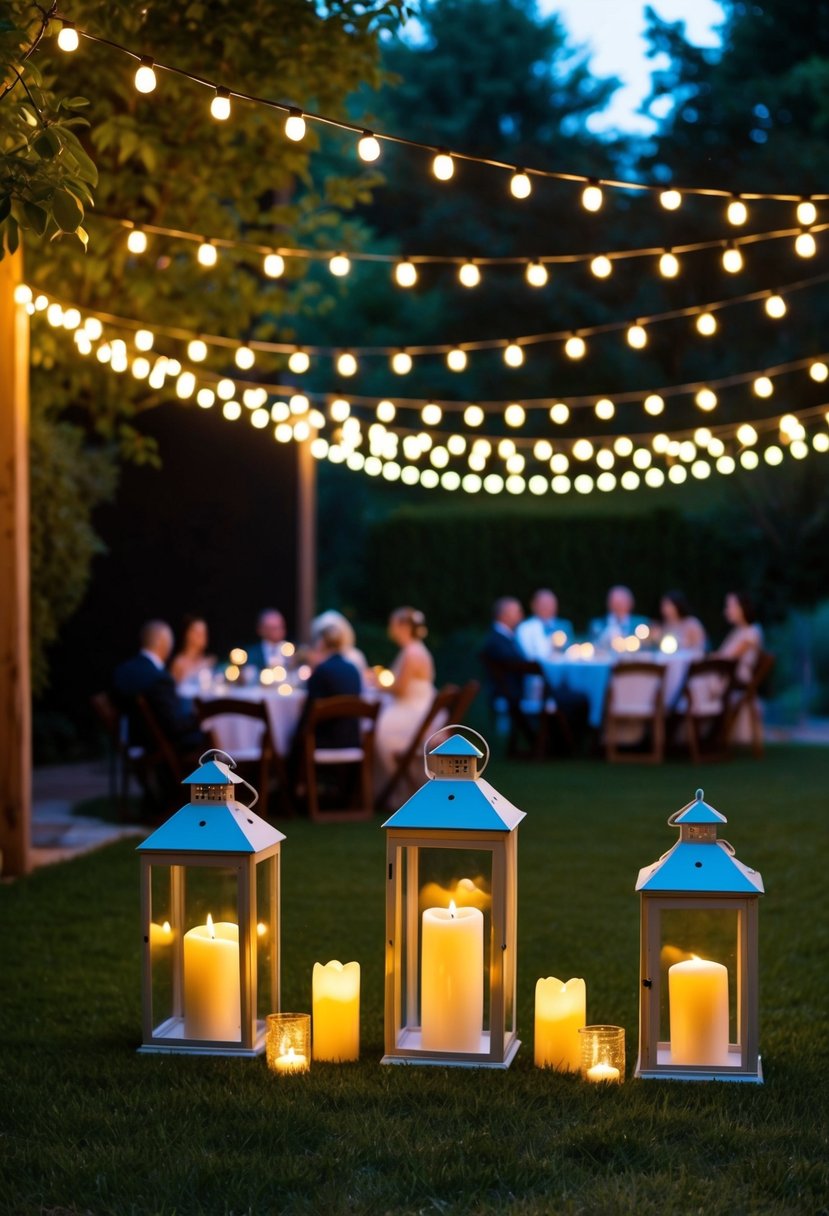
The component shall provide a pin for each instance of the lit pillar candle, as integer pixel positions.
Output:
(336, 1006)
(560, 1012)
(698, 1001)
(212, 1008)
(452, 979)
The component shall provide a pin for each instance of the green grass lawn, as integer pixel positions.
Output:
(88, 1126)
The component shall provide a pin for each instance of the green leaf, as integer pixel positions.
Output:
(47, 144)
(36, 217)
(12, 235)
(67, 211)
(28, 115)
(83, 236)
(5, 207)
(86, 166)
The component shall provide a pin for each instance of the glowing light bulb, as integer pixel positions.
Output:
(592, 197)
(473, 415)
(339, 265)
(205, 398)
(443, 166)
(244, 358)
(232, 411)
(819, 372)
(654, 404)
(806, 212)
(93, 328)
(746, 435)
(706, 324)
(196, 349)
(736, 212)
(84, 345)
(339, 410)
(820, 442)
(642, 458)
(145, 78)
(295, 126)
(790, 426)
(559, 463)
(659, 443)
(346, 364)
(469, 275)
(763, 386)
(536, 274)
(299, 361)
(706, 399)
(431, 414)
(773, 455)
(670, 199)
(23, 294)
(575, 347)
(68, 37)
(506, 448)
(601, 266)
(520, 185)
(513, 355)
(582, 449)
(456, 359)
(220, 105)
(207, 254)
(401, 363)
(405, 274)
(732, 259)
(143, 340)
(776, 307)
(137, 241)
(637, 336)
(456, 445)
(623, 446)
(669, 265)
(185, 385)
(225, 389)
(385, 411)
(515, 415)
(604, 409)
(71, 318)
(542, 450)
(805, 245)
(368, 147)
(559, 413)
(702, 436)
(273, 265)
(54, 315)
(140, 368)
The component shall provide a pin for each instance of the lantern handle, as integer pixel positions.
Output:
(226, 758)
(454, 726)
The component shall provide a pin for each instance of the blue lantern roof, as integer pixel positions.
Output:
(213, 773)
(698, 812)
(699, 862)
(456, 745)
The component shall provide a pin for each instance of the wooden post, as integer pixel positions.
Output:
(306, 540)
(15, 684)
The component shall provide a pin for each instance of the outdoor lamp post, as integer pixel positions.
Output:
(451, 914)
(210, 921)
(698, 1002)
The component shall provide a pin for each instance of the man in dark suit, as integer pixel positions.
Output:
(267, 650)
(146, 675)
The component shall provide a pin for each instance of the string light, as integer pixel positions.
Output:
(732, 259)
(473, 415)
(273, 265)
(604, 409)
(295, 126)
(515, 416)
(736, 212)
(207, 254)
(669, 265)
(575, 347)
(401, 363)
(456, 360)
(220, 105)
(819, 371)
(143, 340)
(763, 386)
(196, 349)
(469, 275)
(339, 265)
(806, 212)
(405, 274)
(637, 336)
(68, 37)
(707, 324)
(623, 446)
(773, 455)
(601, 266)
(513, 355)
(145, 78)
(443, 166)
(385, 411)
(137, 241)
(592, 197)
(299, 361)
(431, 414)
(559, 413)
(746, 435)
(346, 364)
(805, 245)
(654, 404)
(225, 389)
(706, 399)
(536, 274)
(244, 358)
(368, 147)
(520, 185)
(671, 200)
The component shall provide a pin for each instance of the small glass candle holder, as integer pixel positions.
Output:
(288, 1043)
(602, 1053)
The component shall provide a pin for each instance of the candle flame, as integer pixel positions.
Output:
(291, 1054)
(210, 928)
(166, 927)
(452, 908)
(261, 929)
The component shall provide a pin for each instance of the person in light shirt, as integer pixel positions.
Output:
(679, 623)
(267, 651)
(620, 621)
(544, 631)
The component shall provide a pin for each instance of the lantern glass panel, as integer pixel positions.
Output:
(163, 935)
(211, 891)
(703, 945)
(267, 931)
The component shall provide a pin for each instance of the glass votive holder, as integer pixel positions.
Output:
(288, 1042)
(602, 1053)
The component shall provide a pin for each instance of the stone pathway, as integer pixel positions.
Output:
(57, 834)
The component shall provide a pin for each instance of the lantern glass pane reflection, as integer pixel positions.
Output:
(708, 934)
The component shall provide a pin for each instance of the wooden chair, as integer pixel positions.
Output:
(530, 720)
(444, 703)
(466, 695)
(263, 754)
(635, 697)
(702, 706)
(123, 759)
(326, 709)
(745, 698)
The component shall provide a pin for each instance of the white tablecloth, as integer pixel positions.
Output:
(242, 737)
(592, 676)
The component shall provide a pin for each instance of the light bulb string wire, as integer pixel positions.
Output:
(438, 259)
(510, 166)
(177, 333)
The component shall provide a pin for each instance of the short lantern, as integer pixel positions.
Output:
(451, 916)
(698, 1006)
(210, 921)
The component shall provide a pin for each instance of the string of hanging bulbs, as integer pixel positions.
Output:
(444, 161)
(469, 270)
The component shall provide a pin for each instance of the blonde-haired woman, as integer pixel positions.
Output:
(412, 692)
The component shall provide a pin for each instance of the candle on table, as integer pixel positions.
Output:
(291, 1061)
(212, 1007)
(336, 1011)
(452, 979)
(560, 1012)
(698, 1002)
(603, 1072)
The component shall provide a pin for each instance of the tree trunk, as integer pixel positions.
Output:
(15, 690)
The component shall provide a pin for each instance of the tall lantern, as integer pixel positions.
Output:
(451, 916)
(210, 921)
(698, 1007)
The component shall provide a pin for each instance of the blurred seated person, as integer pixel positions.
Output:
(620, 621)
(744, 641)
(413, 690)
(146, 675)
(267, 651)
(349, 651)
(192, 656)
(679, 623)
(332, 676)
(545, 631)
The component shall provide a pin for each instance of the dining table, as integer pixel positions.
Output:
(588, 671)
(242, 737)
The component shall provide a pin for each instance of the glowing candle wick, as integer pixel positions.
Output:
(210, 925)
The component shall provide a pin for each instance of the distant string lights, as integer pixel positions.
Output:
(443, 161)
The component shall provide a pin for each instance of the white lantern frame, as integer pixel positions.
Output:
(700, 874)
(454, 810)
(213, 832)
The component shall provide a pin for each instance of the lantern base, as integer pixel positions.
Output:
(666, 1071)
(168, 1038)
(410, 1051)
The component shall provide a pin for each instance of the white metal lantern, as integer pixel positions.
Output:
(451, 917)
(698, 1007)
(210, 921)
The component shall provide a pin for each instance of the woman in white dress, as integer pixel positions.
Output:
(412, 692)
